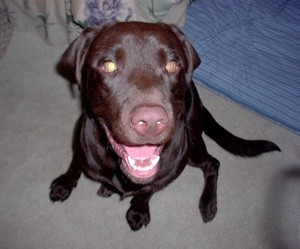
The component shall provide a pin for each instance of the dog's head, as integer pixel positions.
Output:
(134, 77)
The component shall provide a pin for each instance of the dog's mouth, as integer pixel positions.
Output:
(139, 163)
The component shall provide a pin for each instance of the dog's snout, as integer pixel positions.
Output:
(149, 121)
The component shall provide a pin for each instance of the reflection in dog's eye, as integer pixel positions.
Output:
(109, 67)
(171, 67)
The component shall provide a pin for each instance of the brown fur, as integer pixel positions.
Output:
(142, 105)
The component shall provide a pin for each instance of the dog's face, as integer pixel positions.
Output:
(134, 77)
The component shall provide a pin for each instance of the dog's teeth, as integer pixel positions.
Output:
(132, 163)
(154, 161)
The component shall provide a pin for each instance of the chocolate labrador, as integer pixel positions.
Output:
(142, 120)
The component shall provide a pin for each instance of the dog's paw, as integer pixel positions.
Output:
(208, 210)
(137, 219)
(61, 188)
(105, 192)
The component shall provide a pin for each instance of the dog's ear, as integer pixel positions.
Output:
(72, 59)
(190, 53)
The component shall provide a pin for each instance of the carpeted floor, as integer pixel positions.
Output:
(259, 199)
(6, 32)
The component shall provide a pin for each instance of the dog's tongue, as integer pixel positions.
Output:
(141, 152)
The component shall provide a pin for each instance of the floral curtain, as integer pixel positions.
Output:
(58, 21)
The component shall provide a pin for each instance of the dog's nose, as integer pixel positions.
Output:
(149, 120)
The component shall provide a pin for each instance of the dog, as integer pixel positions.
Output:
(142, 118)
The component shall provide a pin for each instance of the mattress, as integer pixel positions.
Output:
(250, 52)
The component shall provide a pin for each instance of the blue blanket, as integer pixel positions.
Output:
(250, 52)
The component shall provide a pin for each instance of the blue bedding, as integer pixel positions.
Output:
(250, 52)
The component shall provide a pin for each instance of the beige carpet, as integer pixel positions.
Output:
(259, 199)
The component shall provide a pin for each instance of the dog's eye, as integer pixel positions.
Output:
(109, 67)
(171, 67)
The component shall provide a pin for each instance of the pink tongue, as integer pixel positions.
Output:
(141, 152)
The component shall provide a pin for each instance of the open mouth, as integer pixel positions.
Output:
(139, 163)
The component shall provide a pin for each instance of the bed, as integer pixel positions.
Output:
(250, 50)
(250, 53)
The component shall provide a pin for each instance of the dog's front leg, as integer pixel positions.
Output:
(62, 186)
(200, 158)
(105, 191)
(138, 214)
(208, 201)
